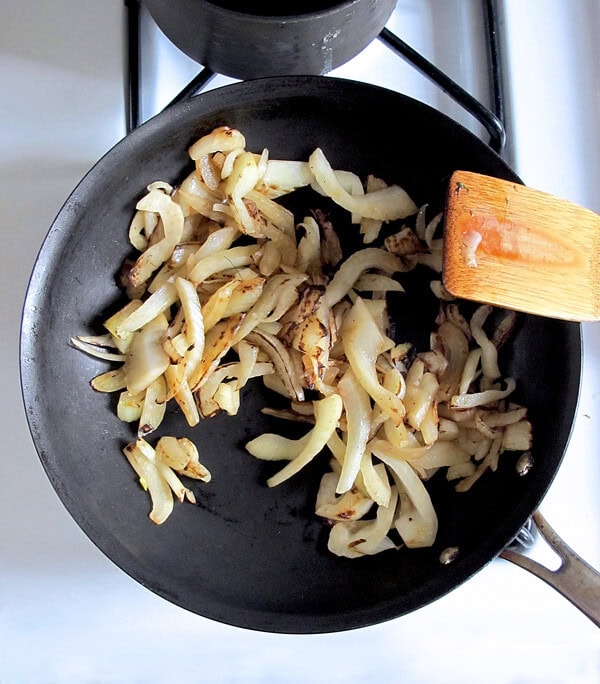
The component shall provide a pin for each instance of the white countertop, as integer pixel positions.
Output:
(67, 614)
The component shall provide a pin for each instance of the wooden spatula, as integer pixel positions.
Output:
(508, 245)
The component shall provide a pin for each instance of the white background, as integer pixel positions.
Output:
(67, 614)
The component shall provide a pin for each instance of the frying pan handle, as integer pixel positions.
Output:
(574, 579)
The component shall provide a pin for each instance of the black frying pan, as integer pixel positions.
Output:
(248, 555)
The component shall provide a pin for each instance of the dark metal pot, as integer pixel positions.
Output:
(248, 555)
(312, 37)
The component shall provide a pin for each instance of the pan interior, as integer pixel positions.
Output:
(246, 554)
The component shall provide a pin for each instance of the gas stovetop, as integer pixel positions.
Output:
(68, 614)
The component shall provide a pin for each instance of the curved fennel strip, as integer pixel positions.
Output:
(171, 215)
(363, 343)
(359, 538)
(358, 424)
(327, 414)
(386, 205)
(417, 522)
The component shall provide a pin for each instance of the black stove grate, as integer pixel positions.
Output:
(493, 121)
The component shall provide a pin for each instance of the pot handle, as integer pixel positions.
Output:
(577, 581)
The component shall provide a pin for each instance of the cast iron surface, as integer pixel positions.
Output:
(261, 43)
(246, 554)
